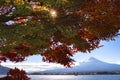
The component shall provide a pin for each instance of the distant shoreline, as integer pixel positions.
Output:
(86, 73)
(73, 74)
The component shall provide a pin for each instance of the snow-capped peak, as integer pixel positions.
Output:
(92, 59)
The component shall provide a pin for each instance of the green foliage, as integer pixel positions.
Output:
(78, 23)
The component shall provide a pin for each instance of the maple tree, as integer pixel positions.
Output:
(55, 29)
(15, 74)
(50, 28)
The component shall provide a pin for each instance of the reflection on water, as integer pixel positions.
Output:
(73, 77)
(56, 77)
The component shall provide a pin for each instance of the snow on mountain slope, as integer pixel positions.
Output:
(96, 65)
(91, 65)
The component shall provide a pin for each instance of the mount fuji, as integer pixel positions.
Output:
(91, 65)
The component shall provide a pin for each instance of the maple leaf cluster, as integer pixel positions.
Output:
(55, 29)
(16, 74)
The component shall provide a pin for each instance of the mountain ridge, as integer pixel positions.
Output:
(3, 70)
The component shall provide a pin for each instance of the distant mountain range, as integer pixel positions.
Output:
(91, 65)
(3, 70)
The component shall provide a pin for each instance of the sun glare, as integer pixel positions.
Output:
(53, 13)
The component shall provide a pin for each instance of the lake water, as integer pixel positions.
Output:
(73, 77)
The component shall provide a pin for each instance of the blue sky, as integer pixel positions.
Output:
(110, 53)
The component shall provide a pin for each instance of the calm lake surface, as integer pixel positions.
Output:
(73, 77)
